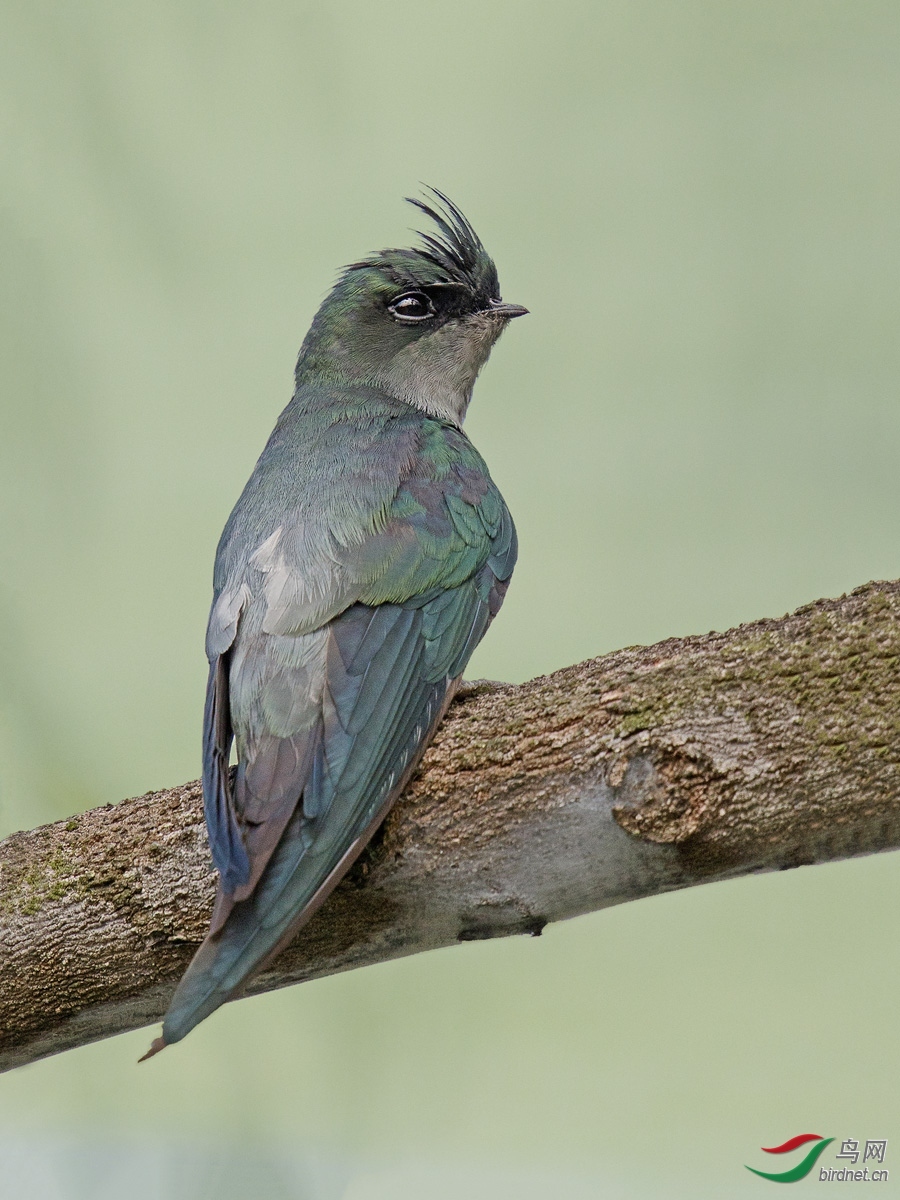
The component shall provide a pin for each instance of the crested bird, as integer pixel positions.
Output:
(358, 571)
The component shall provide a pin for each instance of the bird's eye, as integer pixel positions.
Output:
(411, 306)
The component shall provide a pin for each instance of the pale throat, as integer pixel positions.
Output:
(437, 372)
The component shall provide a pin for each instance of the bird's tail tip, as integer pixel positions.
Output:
(159, 1043)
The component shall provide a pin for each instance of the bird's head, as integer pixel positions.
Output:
(418, 323)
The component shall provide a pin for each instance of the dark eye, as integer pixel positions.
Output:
(411, 306)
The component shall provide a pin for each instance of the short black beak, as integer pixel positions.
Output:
(507, 310)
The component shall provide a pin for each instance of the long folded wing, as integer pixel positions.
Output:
(389, 672)
(446, 529)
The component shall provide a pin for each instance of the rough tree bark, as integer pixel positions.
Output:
(654, 768)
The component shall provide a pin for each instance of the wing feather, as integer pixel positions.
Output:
(227, 846)
(371, 741)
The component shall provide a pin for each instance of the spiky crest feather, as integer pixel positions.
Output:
(454, 256)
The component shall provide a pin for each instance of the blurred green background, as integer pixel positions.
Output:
(697, 425)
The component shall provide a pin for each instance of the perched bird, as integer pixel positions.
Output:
(360, 568)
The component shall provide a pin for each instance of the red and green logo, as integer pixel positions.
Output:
(806, 1164)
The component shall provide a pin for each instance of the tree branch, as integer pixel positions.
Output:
(771, 746)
